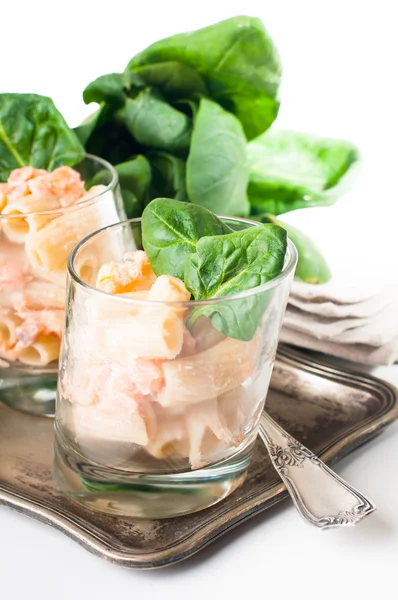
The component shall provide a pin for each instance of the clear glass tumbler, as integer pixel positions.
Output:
(34, 250)
(158, 409)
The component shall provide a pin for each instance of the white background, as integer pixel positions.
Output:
(340, 79)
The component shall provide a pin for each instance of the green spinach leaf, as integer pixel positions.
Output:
(113, 141)
(168, 176)
(86, 127)
(113, 89)
(238, 62)
(33, 132)
(155, 123)
(171, 230)
(173, 79)
(134, 178)
(311, 265)
(225, 265)
(291, 170)
(217, 172)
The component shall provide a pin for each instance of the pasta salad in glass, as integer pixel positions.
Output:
(171, 336)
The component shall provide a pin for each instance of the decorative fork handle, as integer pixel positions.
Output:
(320, 495)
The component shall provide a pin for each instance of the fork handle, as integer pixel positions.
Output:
(320, 495)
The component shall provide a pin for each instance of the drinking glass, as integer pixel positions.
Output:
(159, 403)
(34, 249)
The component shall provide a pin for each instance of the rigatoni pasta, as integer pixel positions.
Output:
(49, 248)
(8, 330)
(209, 373)
(153, 333)
(141, 356)
(41, 352)
(42, 217)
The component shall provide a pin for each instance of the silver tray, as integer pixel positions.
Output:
(330, 410)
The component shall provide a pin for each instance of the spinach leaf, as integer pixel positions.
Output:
(168, 176)
(134, 178)
(86, 127)
(311, 265)
(290, 170)
(238, 62)
(113, 141)
(171, 230)
(155, 123)
(224, 265)
(173, 79)
(33, 132)
(217, 172)
(113, 88)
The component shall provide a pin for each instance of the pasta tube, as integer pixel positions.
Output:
(8, 325)
(49, 248)
(104, 425)
(209, 373)
(17, 228)
(86, 267)
(238, 410)
(9, 298)
(152, 333)
(43, 294)
(42, 352)
(3, 197)
(169, 289)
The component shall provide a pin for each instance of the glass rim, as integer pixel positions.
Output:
(111, 186)
(288, 267)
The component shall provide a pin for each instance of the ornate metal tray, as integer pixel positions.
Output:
(330, 410)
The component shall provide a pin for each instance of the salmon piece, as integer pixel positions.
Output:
(18, 182)
(23, 175)
(146, 375)
(116, 411)
(133, 274)
(36, 322)
(12, 273)
(63, 184)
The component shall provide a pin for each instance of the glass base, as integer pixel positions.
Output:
(28, 390)
(148, 496)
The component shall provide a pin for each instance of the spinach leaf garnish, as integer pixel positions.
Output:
(171, 231)
(190, 242)
(228, 264)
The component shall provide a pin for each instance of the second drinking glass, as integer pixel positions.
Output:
(43, 215)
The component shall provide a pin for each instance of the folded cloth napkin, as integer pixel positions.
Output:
(360, 353)
(357, 323)
(376, 330)
(336, 310)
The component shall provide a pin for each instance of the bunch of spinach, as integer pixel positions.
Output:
(191, 118)
(214, 261)
(34, 133)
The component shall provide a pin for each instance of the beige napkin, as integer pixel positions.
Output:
(357, 323)
(360, 353)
